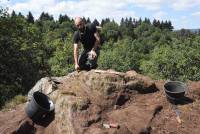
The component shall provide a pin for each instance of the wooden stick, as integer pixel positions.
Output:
(109, 71)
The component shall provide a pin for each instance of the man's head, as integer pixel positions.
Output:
(79, 23)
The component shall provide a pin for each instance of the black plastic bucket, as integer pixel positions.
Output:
(39, 106)
(175, 90)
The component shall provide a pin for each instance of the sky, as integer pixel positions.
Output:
(182, 13)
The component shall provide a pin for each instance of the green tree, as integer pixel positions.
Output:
(95, 22)
(88, 20)
(19, 49)
(63, 18)
(121, 56)
(30, 18)
(110, 31)
(13, 14)
(62, 61)
(45, 16)
(180, 61)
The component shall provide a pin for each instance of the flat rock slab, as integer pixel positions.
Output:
(135, 117)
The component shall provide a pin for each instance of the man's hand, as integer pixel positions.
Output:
(92, 54)
(77, 67)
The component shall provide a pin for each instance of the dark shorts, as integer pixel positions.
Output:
(85, 63)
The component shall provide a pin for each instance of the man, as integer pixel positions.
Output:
(86, 34)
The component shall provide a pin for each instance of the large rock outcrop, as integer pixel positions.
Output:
(88, 102)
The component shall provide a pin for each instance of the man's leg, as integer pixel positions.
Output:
(82, 61)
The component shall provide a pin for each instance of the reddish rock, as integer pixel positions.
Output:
(86, 100)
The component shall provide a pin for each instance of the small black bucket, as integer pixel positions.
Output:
(39, 106)
(175, 90)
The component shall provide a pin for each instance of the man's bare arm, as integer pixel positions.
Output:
(76, 56)
(97, 43)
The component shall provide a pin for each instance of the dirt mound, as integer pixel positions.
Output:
(107, 102)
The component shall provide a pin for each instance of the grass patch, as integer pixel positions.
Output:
(18, 99)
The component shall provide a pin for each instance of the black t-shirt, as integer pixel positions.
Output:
(87, 38)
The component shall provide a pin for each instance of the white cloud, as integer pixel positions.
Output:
(113, 9)
(185, 4)
(196, 14)
(4, 3)
(149, 4)
(89, 8)
(101, 9)
(181, 22)
(160, 15)
(33, 5)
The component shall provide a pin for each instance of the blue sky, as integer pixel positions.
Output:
(182, 13)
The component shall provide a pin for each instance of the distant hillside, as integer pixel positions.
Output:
(194, 30)
(191, 30)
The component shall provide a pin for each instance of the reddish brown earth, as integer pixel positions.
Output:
(85, 101)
